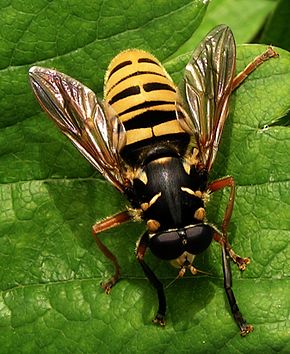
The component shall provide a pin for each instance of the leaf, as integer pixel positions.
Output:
(277, 30)
(50, 268)
(245, 17)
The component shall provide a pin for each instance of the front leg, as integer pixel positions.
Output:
(140, 253)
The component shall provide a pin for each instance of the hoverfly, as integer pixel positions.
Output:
(157, 149)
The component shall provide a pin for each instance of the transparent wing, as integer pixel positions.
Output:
(206, 88)
(87, 121)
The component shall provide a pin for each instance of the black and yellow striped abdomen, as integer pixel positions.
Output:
(144, 97)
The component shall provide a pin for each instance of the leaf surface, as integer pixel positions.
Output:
(277, 31)
(50, 268)
(245, 17)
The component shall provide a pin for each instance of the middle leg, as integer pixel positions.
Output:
(222, 238)
(103, 225)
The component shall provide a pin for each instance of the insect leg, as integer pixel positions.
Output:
(103, 225)
(220, 184)
(140, 253)
(244, 327)
(223, 239)
(260, 59)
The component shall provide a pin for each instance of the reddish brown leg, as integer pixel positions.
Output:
(103, 225)
(260, 59)
(222, 238)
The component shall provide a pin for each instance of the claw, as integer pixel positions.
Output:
(243, 262)
(108, 286)
(240, 261)
(159, 319)
(246, 330)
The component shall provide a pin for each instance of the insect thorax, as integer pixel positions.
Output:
(170, 194)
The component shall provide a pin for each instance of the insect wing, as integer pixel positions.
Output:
(87, 121)
(206, 87)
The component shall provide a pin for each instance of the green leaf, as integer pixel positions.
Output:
(50, 267)
(245, 17)
(277, 31)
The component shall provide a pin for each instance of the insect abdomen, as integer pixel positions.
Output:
(144, 97)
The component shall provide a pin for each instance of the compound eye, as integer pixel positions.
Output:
(166, 245)
(199, 238)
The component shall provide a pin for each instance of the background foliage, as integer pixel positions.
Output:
(50, 268)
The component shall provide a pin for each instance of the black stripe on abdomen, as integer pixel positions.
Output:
(119, 66)
(134, 90)
(149, 118)
(133, 154)
(148, 60)
(144, 105)
(155, 86)
(137, 73)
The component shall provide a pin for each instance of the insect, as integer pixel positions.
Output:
(156, 144)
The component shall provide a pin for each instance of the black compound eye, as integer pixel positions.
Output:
(166, 245)
(199, 238)
(171, 244)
